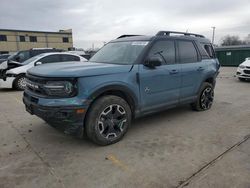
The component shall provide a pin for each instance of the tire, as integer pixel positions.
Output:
(205, 98)
(242, 79)
(19, 83)
(108, 120)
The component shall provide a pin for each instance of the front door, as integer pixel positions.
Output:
(160, 86)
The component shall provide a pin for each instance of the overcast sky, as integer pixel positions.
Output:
(96, 21)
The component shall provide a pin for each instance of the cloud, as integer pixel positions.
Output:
(96, 21)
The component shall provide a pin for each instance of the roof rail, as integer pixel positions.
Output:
(167, 33)
(123, 36)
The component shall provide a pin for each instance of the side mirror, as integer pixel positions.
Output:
(38, 63)
(153, 62)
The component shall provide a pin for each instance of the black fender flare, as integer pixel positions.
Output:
(114, 87)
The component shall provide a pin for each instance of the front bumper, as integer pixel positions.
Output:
(8, 83)
(243, 73)
(66, 118)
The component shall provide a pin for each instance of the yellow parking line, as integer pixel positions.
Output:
(17, 100)
(117, 162)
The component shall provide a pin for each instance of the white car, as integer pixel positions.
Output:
(243, 71)
(15, 77)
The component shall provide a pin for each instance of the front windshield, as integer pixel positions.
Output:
(11, 57)
(32, 59)
(119, 52)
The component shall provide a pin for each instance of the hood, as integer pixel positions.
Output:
(9, 64)
(246, 63)
(77, 69)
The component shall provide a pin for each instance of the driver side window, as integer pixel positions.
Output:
(50, 59)
(165, 50)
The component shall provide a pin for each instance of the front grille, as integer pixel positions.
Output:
(248, 67)
(247, 71)
(35, 84)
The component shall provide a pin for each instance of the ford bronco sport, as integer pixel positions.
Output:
(129, 77)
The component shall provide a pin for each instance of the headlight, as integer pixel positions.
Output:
(60, 88)
(242, 66)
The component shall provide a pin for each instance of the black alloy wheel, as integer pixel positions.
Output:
(108, 120)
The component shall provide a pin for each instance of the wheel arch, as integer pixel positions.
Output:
(118, 90)
(16, 77)
(210, 80)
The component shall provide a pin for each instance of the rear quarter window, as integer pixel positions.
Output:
(209, 50)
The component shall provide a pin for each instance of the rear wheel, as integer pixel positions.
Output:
(205, 98)
(108, 120)
(20, 82)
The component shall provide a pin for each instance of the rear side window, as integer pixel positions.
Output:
(165, 50)
(187, 52)
(50, 59)
(70, 58)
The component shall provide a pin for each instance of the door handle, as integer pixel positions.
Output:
(174, 71)
(200, 69)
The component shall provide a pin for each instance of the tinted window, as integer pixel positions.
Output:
(50, 59)
(3, 38)
(187, 52)
(70, 58)
(209, 50)
(165, 50)
(33, 39)
(65, 39)
(22, 38)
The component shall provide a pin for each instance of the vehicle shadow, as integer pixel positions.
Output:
(58, 135)
(160, 116)
(9, 90)
(146, 121)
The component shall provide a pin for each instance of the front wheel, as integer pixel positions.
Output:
(108, 120)
(205, 98)
(20, 82)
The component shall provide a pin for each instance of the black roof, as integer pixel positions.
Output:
(134, 38)
(163, 34)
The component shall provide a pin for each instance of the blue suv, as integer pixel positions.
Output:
(129, 77)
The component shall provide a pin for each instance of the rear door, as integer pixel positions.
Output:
(160, 86)
(192, 69)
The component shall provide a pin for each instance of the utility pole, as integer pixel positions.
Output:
(213, 34)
